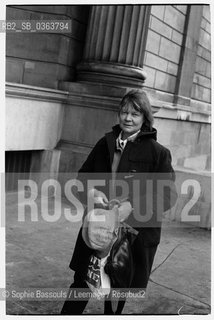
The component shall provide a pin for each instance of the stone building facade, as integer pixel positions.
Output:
(63, 89)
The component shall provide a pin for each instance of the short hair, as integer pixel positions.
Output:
(140, 102)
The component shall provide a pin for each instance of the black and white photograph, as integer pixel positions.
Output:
(106, 184)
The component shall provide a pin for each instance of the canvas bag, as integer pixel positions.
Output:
(99, 229)
(100, 235)
(99, 232)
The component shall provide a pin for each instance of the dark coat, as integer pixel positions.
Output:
(144, 155)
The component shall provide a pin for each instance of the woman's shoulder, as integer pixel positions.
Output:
(160, 147)
(149, 140)
(100, 144)
(109, 136)
(156, 148)
(101, 141)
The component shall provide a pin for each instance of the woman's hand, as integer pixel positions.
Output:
(125, 210)
(98, 197)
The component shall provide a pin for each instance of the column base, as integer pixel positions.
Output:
(111, 74)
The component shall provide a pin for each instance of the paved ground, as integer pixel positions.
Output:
(38, 254)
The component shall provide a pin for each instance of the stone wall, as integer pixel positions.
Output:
(177, 62)
(178, 55)
(34, 117)
(163, 47)
(42, 59)
(201, 89)
(190, 150)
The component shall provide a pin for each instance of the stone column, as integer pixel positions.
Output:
(112, 64)
(115, 44)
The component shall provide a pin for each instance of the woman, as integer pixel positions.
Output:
(129, 150)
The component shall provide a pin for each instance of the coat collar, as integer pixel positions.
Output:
(112, 136)
(143, 133)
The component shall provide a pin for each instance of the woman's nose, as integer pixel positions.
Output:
(128, 117)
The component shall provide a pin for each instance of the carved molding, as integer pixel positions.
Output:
(35, 93)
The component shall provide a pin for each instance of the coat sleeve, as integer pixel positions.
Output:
(88, 170)
(165, 181)
(88, 165)
(153, 202)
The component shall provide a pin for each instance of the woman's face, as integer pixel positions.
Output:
(130, 120)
